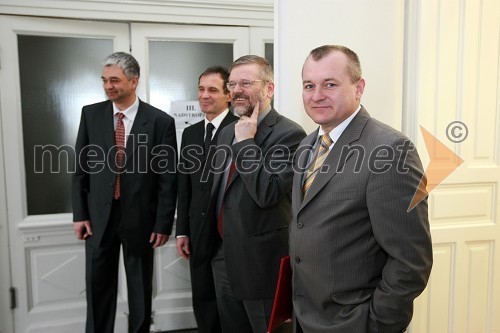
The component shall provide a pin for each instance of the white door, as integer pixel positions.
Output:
(174, 57)
(50, 69)
(262, 43)
(453, 92)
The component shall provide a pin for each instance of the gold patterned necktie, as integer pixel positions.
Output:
(321, 154)
(120, 153)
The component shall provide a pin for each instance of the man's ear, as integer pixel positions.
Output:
(360, 87)
(270, 89)
(135, 82)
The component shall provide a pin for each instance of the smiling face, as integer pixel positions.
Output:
(119, 88)
(244, 99)
(328, 93)
(212, 97)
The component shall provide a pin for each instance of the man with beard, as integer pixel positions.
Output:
(250, 209)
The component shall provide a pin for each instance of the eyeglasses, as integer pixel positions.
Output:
(243, 83)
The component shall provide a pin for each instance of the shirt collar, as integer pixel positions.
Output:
(263, 114)
(130, 112)
(338, 130)
(217, 120)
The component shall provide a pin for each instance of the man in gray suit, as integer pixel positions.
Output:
(250, 209)
(359, 257)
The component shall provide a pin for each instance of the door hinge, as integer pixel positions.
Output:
(13, 303)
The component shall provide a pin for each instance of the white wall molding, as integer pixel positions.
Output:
(232, 12)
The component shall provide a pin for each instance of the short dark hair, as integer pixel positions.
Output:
(353, 64)
(223, 73)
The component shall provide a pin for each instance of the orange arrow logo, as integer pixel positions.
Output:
(442, 163)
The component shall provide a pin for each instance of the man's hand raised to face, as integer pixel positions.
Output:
(246, 127)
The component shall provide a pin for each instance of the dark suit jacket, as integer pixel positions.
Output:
(358, 257)
(148, 181)
(256, 204)
(195, 184)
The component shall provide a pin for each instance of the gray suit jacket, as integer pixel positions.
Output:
(257, 204)
(358, 257)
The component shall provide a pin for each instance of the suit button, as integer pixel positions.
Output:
(299, 225)
(203, 214)
(297, 260)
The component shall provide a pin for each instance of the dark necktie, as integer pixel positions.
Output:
(208, 138)
(120, 151)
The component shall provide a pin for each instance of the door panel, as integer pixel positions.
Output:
(175, 56)
(453, 75)
(54, 68)
(262, 43)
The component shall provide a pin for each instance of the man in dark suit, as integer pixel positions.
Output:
(250, 207)
(359, 257)
(194, 193)
(124, 194)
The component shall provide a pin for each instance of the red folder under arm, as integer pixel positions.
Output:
(282, 307)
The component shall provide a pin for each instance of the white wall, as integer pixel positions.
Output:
(373, 29)
(427, 63)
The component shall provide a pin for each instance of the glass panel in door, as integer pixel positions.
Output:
(174, 68)
(269, 53)
(64, 76)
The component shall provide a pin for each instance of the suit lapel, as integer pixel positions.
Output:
(339, 155)
(199, 135)
(138, 133)
(263, 131)
(228, 141)
(228, 119)
(108, 127)
(304, 153)
(225, 140)
(266, 127)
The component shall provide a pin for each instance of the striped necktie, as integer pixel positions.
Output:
(321, 154)
(120, 153)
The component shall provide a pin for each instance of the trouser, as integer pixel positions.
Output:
(204, 298)
(102, 280)
(242, 316)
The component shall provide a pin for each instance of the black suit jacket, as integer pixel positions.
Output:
(195, 183)
(257, 204)
(148, 180)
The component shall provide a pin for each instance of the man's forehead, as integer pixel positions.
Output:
(327, 67)
(244, 70)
